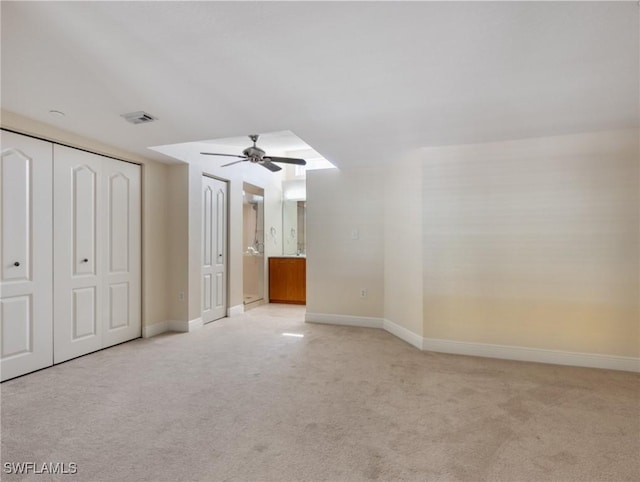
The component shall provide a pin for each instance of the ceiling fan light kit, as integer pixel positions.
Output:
(258, 156)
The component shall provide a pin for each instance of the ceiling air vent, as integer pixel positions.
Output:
(139, 117)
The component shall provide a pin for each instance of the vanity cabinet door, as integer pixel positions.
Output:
(287, 280)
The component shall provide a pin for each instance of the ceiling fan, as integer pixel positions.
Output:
(257, 156)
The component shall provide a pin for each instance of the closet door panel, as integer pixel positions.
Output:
(84, 205)
(122, 319)
(17, 325)
(78, 250)
(26, 240)
(16, 215)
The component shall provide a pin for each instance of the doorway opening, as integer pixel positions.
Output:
(252, 245)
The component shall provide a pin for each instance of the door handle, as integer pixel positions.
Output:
(85, 260)
(16, 264)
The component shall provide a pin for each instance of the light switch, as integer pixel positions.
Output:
(355, 234)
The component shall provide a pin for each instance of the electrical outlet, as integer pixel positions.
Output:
(363, 293)
(181, 296)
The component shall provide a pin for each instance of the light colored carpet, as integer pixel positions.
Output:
(237, 400)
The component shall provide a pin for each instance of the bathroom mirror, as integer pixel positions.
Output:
(293, 227)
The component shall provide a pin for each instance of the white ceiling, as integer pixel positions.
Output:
(272, 141)
(360, 82)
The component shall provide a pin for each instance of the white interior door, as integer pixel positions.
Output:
(78, 249)
(120, 188)
(25, 284)
(214, 249)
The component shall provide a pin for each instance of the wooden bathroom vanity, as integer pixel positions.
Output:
(288, 280)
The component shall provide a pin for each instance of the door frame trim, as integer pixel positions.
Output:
(46, 139)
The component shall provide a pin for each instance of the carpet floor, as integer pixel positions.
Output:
(239, 400)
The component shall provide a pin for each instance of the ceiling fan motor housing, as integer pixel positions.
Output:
(254, 154)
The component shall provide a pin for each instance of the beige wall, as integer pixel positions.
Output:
(154, 205)
(177, 242)
(403, 283)
(156, 225)
(338, 202)
(290, 227)
(534, 243)
(531, 243)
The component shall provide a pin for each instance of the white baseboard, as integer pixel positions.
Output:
(155, 329)
(186, 326)
(540, 355)
(235, 310)
(179, 326)
(404, 334)
(345, 320)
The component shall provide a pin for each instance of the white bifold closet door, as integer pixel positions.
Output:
(25, 287)
(214, 249)
(97, 267)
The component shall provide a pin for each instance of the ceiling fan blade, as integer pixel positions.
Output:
(234, 162)
(216, 154)
(269, 165)
(286, 160)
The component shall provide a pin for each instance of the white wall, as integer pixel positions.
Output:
(339, 202)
